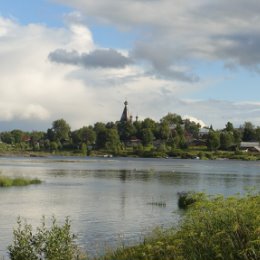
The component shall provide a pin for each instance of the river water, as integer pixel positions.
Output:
(110, 201)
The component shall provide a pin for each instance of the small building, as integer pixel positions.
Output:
(250, 146)
(203, 132)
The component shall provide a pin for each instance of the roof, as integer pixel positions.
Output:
(254, 145)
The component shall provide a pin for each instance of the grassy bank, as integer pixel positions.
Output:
(212, 228)
(9, 182)
(192, 152)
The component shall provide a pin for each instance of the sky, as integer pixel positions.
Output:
(81, 59)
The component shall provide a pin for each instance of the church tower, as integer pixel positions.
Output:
(125, 115)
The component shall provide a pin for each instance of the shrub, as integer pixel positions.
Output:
(54, 243)
(188, 198)
(214, 229)
(222, 229)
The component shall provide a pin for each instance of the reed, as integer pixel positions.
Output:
(20, 181)
(212, 228)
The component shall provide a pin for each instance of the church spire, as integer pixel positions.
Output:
(125, 115)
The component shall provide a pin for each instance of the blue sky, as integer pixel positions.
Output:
(203, 64)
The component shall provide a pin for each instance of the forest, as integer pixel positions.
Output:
(146, 138)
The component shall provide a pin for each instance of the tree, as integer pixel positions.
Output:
(101, 131)
(112, 140)
(126, 130)
(257, 133)
(17, 135)
(7, 137)
(149, 123)
(171, 118)
(164, 131)
(61, 130)
(36, 137)
(226, 140)
(147, 136)
(237, 138)
(213, 141)
(192, 128)
(248, 132)
(229, 127)
(87, 135)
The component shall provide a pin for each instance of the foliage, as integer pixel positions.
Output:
(213, 141)
(8, 182)
(186, 199)
(212, 228)
(54, 243)
(121, 138)
(248, 132)
(222, 229)
(226, 140)
(61, 130)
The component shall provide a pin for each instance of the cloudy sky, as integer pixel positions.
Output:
(80, 59)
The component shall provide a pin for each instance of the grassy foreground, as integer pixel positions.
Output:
(215, 228)
(9, 182)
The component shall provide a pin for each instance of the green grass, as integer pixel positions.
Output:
(215, 228)
(9, 182)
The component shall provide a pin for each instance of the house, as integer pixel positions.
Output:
(250, 146)
(203, 132)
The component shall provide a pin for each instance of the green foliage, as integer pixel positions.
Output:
(171, 118)
(61, 130)
(215, 228)
(213, 141)
(226, 140)
(147, 136)
(248, 132)
(222, 229)
(186, 199)
(54, 243)
(229, 127)
(84, 149)
(112, 140)
(8, 182)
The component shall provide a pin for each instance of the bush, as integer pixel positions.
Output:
(214, 229)
(222, 229)
(186, 199)
(55, 243)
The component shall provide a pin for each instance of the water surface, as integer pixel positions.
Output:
(109, 199)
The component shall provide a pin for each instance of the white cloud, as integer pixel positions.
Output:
(174, 31)
(194, 119)
(38, 91)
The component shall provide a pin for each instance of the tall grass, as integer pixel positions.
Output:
(213, 229)
(8, 182)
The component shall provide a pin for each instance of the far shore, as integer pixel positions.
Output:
(178, 154)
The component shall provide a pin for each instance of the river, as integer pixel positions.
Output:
(110, 201)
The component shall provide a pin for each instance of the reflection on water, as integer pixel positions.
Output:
(109, 200)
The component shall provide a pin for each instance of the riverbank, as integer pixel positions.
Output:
(193, 152)
(211, 228)
(201, 154)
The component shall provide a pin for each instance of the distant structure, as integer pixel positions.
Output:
(126, 115)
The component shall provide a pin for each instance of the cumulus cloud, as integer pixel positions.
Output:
(99, 58)
(175, 31)
(173, 34)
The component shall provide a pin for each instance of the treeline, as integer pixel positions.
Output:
(171, 132)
